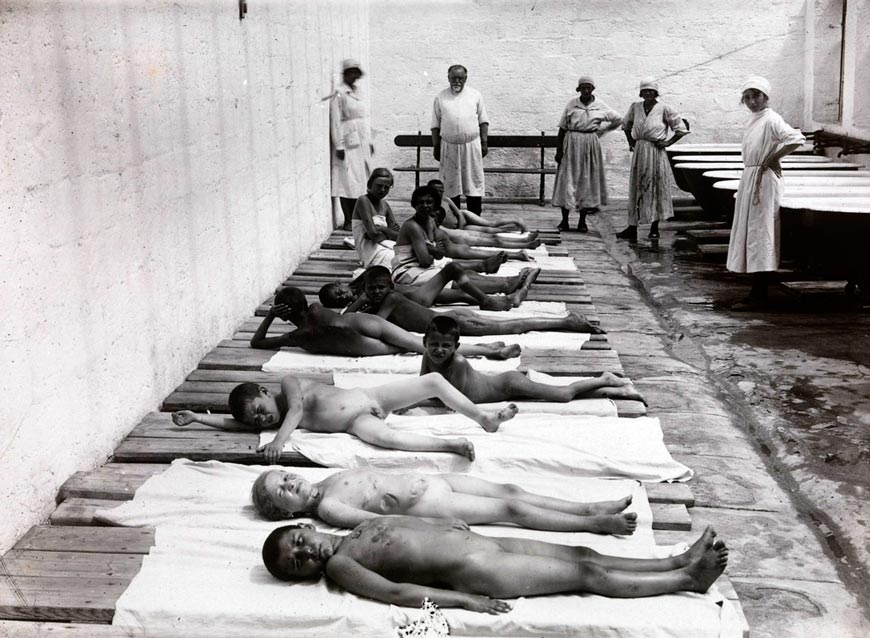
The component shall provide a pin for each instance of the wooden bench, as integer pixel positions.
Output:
(542, 142)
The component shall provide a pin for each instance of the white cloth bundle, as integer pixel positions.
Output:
(542, 444)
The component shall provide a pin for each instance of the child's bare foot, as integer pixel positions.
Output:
(491, 264)
(462, 447)
(496, 302)
(626, 391)
(518, 297)
(490, 421)
(623, 524)
(501, 350)
(696, 551)
(534, 234)
(708, 567)
(609, 507)
(534, 243)
(523, 255)
(515, 283)
(579, 323)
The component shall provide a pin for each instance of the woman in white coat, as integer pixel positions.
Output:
(754, 243)
(350, 136)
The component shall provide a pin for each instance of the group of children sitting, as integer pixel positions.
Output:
(410, 537)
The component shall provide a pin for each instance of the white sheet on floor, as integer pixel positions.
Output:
(217, 495)
(527, 309)
(540, 251)
(208, 580)
(542, 444)
(535, 340)
(545, 263)
(297, 360)
(587, 407)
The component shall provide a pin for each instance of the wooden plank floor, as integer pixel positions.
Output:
(74, 570)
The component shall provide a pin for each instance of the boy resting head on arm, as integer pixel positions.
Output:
(442, 340)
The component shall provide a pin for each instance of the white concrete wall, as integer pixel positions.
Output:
(164, 167)
(525, 57)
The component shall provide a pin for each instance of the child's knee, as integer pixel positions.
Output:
(453, 270)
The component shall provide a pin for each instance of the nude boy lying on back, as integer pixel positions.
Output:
(318, 407)
(349, 497)
(401, 560)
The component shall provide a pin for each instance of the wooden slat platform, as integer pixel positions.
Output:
(583, 363)
(75, 570)
(80, 511)
(200, 397)
(119, 482)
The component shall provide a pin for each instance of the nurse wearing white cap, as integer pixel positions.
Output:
(350, 135)
(754, 244)
(580, 183)
(650, 127)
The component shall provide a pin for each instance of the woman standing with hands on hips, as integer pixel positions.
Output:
(754, 243)
(350, 135)
(646, 127)
(580, 182)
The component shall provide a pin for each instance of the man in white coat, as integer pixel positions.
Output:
(459, 139)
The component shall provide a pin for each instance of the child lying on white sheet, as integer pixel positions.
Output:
(324, 408)
(441, 340)
(401, 560)
(350, 497)
(322, 331)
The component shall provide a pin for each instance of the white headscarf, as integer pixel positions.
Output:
(756, 82)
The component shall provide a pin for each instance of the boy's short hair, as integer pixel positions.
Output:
(432, 182)
(444, 325)
(373, 272)
(420, 191)
(272, 553)
(327, 295)
(263, 503)
(240, 398)
(293, 297)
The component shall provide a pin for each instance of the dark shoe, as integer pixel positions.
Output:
(345, 226)
(653, 234)
(563, 225)
(630, 233)
(582, 227)
(591, 211)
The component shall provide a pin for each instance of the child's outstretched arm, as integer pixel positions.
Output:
(362, 581)
(292, 391)
(186, 417)
(260, 341)
(357, 305)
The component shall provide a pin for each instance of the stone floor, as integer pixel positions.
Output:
(770, 409)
